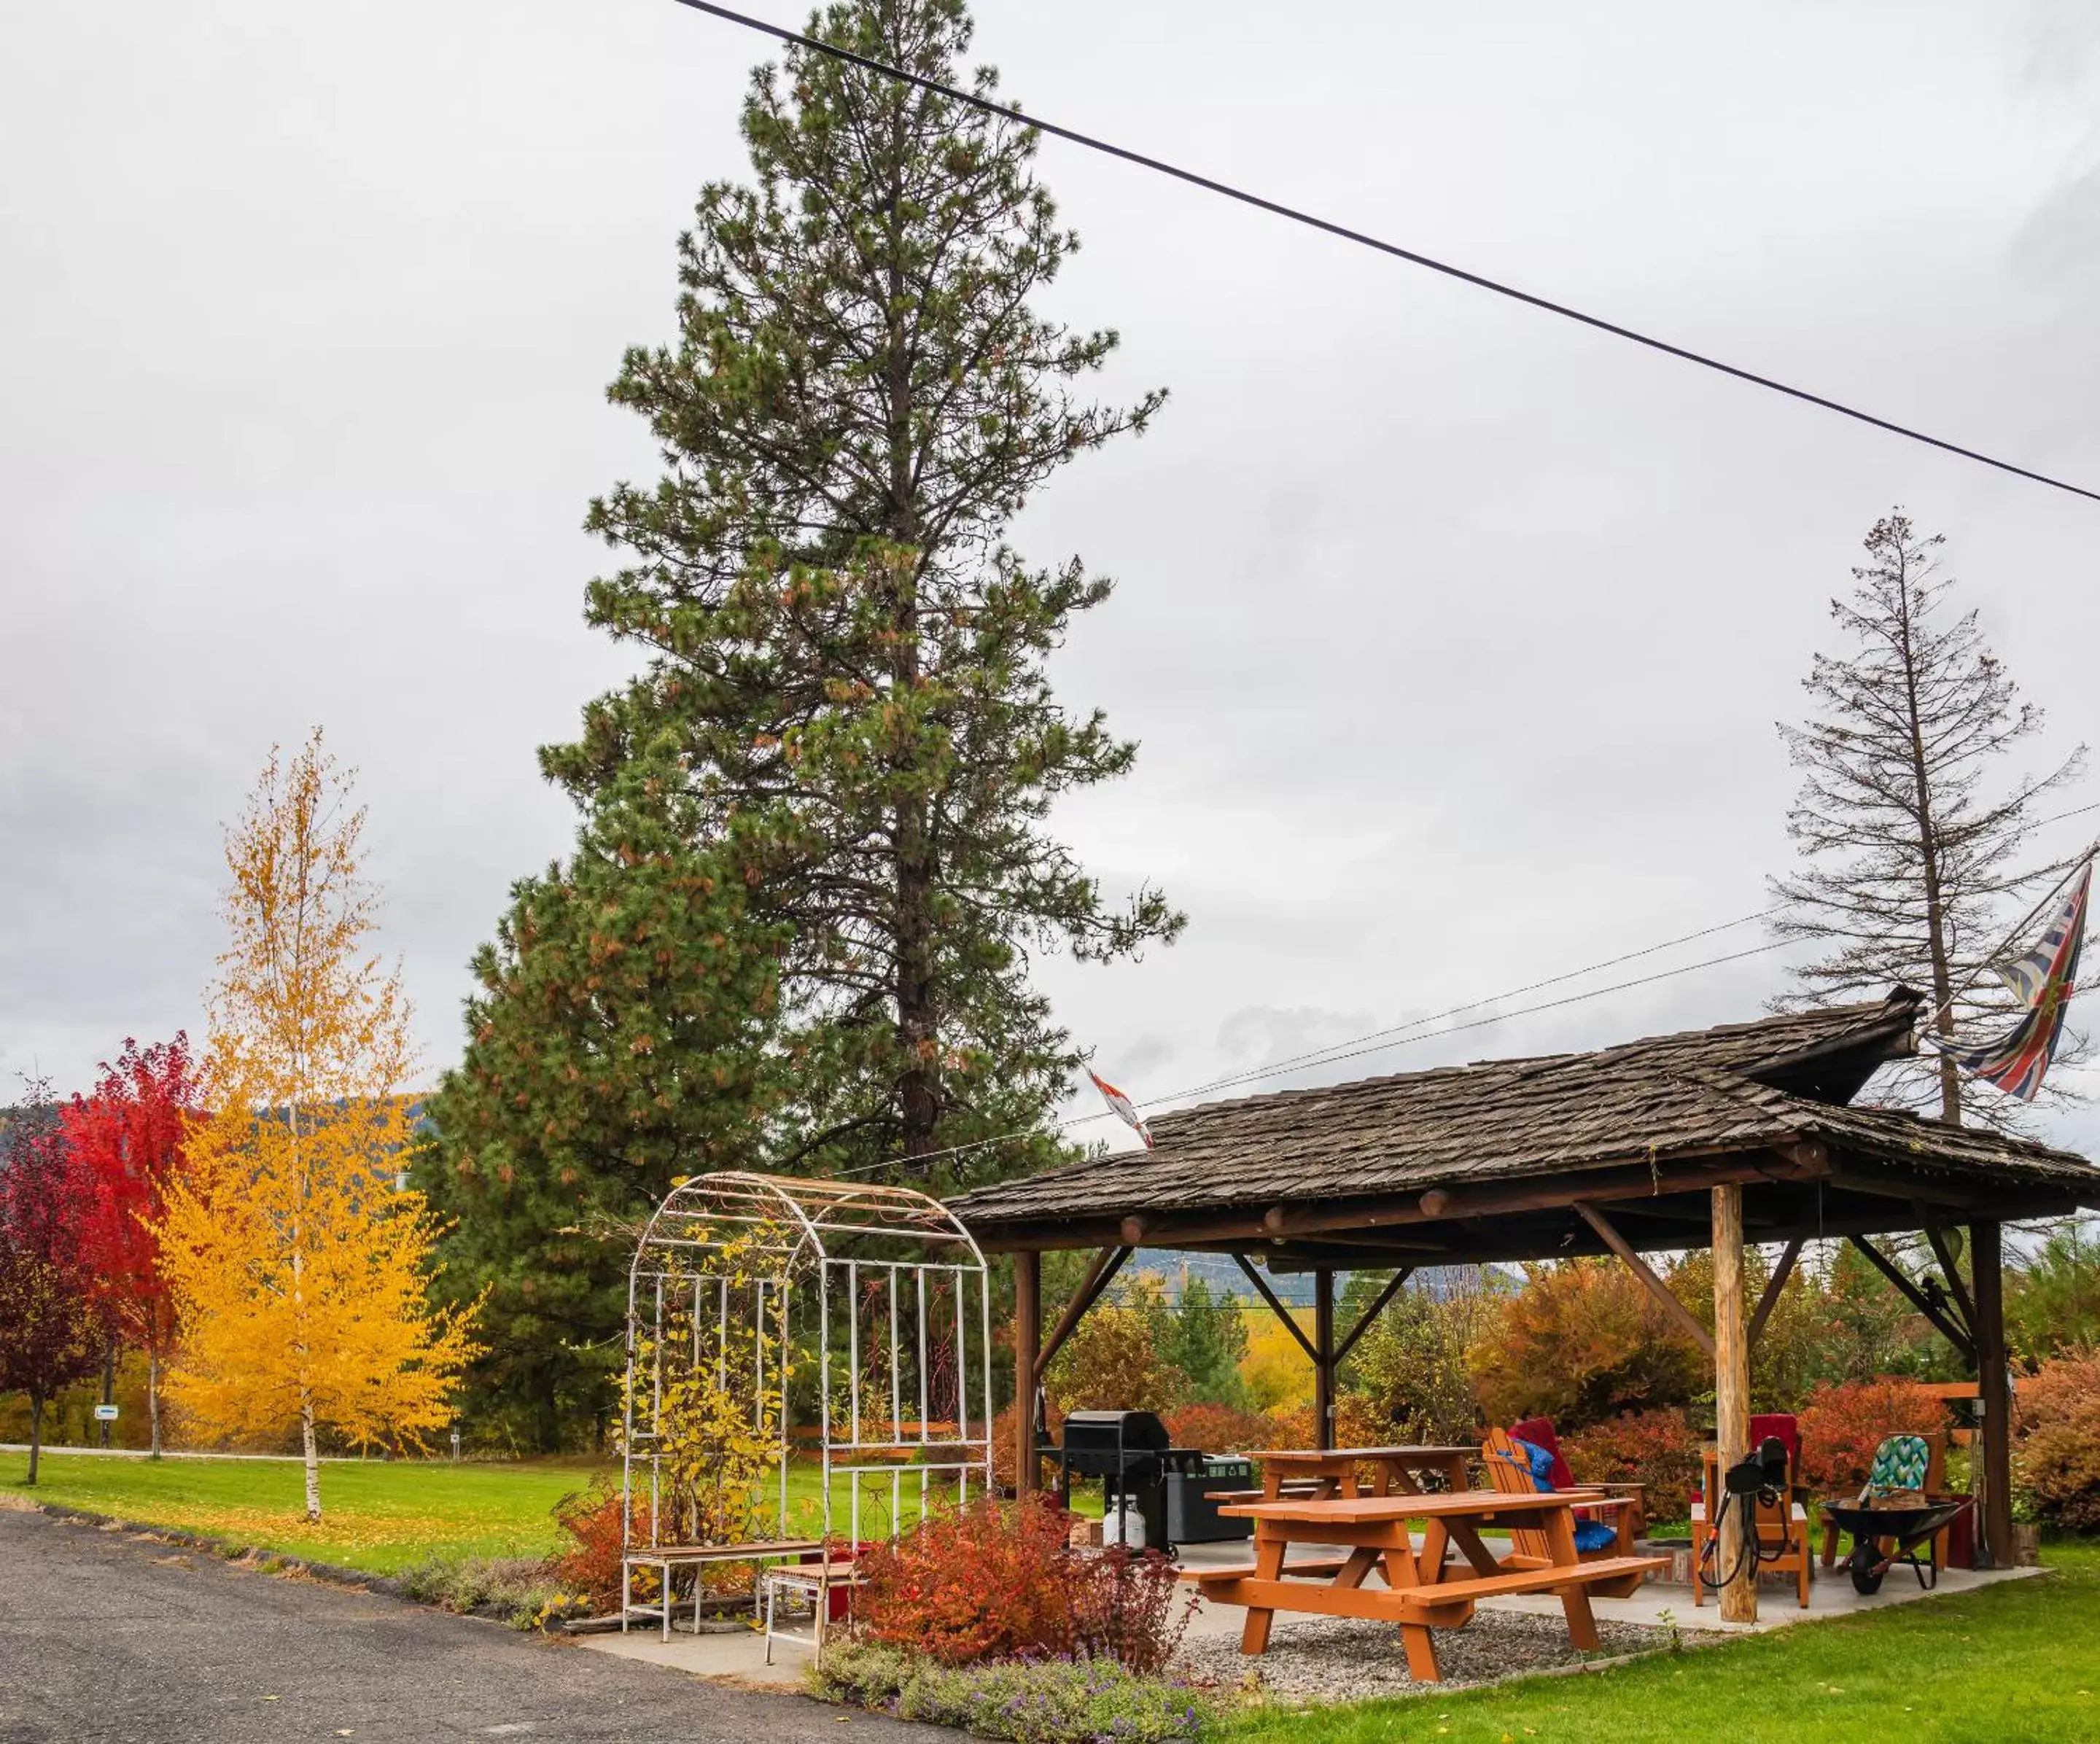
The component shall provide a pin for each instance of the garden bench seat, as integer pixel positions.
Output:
(1329, 1566)
(665, 1557)
(1444, 1595)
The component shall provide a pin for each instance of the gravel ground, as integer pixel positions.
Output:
(1347, 1658)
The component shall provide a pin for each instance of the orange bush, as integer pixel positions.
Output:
(2058, 1463)
(1580, 1342)
(1219, 1429)
(1003, 1428)
(1842, 1426)
(591, 1564)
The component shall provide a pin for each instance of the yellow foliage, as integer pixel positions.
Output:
(301, 1273)
(1276, 1371)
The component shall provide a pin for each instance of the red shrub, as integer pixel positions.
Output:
(1842, 1426)
(1219, 1429)
(996, 1580)
(1359, 1422)
(1656, 1448)
(2058, 1462)
(591, 1564)
(984, 1581)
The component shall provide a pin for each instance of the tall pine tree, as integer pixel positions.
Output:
(815, 860)
(1912, 861)
(848, 659)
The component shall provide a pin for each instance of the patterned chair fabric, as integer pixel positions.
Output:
(1900, 1463)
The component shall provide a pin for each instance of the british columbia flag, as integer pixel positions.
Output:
(2045, 977)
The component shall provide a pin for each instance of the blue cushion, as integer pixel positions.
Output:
(1593, 1534)
(1541, 1462)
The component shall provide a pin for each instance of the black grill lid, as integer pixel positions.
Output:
(1138, 1431)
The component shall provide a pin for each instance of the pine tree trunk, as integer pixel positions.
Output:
(154, 1396)
(35, 1429)
(311, 1449)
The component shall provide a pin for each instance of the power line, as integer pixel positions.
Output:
(1480, 281)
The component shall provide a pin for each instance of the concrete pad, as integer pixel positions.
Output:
(735, 1656)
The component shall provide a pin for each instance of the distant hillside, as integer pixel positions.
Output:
(1223, 1276)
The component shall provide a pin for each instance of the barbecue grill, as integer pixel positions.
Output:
(1908, 1527)
(1130, 1452)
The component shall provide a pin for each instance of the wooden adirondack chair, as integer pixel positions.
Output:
(1509, 1474)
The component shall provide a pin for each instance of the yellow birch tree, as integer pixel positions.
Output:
(301, 1270)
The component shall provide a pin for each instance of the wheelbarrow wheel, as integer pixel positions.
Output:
(1866, 1566)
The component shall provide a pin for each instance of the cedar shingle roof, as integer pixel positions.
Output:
(1738, 1087)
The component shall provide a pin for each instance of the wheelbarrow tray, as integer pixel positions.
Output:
(1910, 1527)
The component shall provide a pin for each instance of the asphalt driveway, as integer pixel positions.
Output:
(104, 1635)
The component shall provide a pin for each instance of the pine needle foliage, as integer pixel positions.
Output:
(846, 663)
(1912, 859)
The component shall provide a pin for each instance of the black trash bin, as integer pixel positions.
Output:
(1192, 1517)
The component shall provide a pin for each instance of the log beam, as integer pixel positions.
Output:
(1773, 1285)
(1994, 1382)
(1686, 1321)
(1378, 1306)
(1027, 1346)
(1924, 1304)
(1106, 1265)
(1276, 1305)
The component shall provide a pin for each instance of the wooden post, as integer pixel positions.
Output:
(1323, 1358)
(1731, 1404)
(1994, 1385)
(1027, 1346)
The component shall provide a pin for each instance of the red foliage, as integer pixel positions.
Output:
(1220, 1428)
(126, 1141)
(997, 1580)
(51, 1330)
(591, 1565)
(1840, 1427)
(1656, 1448)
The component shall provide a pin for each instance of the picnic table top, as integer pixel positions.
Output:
(1357, 1509)
(1329, 1456)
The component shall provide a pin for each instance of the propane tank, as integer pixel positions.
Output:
(1124, 1523)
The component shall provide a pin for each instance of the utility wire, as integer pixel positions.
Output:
(1480, 281)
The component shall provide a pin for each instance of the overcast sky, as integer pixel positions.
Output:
(1454, 635)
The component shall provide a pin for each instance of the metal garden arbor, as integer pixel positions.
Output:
(773, 1321)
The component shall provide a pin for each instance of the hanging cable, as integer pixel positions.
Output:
(1007, 111)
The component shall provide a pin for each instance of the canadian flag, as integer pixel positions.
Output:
(1122, 1105)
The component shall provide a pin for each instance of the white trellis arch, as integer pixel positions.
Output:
(859, 1316)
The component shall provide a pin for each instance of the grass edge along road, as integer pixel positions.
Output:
(377, 1516)
(2010, 1662)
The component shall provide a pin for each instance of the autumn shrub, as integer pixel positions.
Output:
(997, 1580)
(591, 1564)
(1360, 1421)
(1032, 1702)
(1412, 1363)
(1656, 1448)
(520, 1590)
(1842, 1426)
(1219, 1428)
(1004, 1428)
(1120, 1357)
(2057, 1465)
(1581, 1342)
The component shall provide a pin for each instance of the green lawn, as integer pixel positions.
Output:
(2016, 1661)
(380, 1516)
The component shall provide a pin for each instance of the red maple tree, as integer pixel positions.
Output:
(52, 1330)
(126, 1142)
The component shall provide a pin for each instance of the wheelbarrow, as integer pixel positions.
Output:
(1908, 1529)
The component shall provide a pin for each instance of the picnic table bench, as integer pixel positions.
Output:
(665, 1557)
(1420, 1593)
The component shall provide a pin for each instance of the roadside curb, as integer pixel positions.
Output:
(273, 1562)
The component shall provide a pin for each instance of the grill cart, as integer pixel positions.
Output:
(1129, 1452)
(1906, 1529)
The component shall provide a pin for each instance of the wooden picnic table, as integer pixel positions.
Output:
(1335, 1470)
(1421, 1593)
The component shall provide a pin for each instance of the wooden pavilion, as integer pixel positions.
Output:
(1708, 1138)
